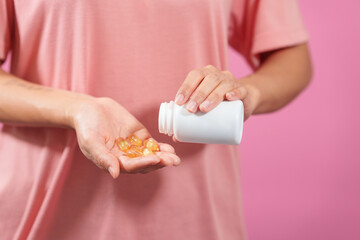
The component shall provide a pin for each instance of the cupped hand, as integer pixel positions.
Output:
(205, 88)
(98, 122)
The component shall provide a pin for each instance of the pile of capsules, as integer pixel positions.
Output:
(133, 146)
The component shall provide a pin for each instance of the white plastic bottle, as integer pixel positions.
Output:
(222, 125)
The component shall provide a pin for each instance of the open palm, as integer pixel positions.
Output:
(98, 123)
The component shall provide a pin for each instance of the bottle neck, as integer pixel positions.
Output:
(166, 116)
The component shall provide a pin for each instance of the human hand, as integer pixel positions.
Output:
(205, 88)
(98, 122)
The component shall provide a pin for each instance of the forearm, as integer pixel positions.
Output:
(282, 75)
(22, 102)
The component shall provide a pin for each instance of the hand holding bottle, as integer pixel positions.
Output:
(204, 89)
(207, 87)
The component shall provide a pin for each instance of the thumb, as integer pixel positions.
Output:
(104, 159)
(175, 140)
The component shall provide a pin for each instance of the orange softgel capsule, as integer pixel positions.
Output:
(146, 152)
(134, 151)
(122, 144)
(133, 146)
(151, 145)
(134, 140)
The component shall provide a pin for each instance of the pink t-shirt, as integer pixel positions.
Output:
(137, 52)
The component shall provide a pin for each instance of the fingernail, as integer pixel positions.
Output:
(179, 98)
(230, 95)
(205, 104)
(111, 171)
(191, 106)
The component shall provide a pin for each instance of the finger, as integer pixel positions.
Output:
(217, 96)
(142, 133)
(175, 140)
(131, 165)
(105, 160)
(210, 82)
(191, 82)
(168, 159)
(165, 159)
(237, 94)
(166, 148)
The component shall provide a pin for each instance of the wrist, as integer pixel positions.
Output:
(75, 107)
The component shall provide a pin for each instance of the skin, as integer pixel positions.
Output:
(98, 122)
(282, 75)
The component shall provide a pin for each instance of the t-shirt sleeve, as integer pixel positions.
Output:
(258, 26)
(6, 27)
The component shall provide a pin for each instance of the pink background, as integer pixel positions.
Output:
(301, 165)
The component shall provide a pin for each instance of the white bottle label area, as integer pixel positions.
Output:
(222, 125)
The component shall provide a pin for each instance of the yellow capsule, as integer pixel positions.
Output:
(151, 145)
(122, 144)
(134, 140)
(132, 154)
(146, 152)
(134, 151)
